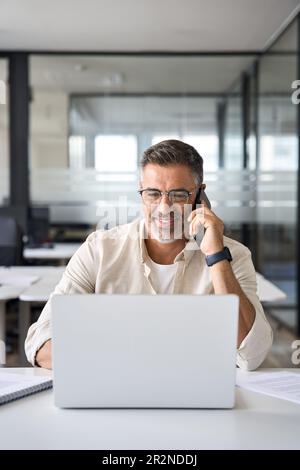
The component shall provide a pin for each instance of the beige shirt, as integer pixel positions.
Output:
(115, 261)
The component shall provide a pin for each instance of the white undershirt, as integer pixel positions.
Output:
(162, 276)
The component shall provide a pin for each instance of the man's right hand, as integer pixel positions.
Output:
(43, 357)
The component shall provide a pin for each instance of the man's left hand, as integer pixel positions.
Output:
(212, 241)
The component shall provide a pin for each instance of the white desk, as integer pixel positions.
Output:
(38, 292)
(60, 251)
(256, 422)
(41, 290)
(267, 291)
(13, 292)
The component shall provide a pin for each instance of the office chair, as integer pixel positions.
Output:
(38, 227)
(11, 246)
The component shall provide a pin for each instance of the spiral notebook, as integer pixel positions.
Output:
(14, 386)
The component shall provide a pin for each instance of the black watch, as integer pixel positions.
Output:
(216, 257)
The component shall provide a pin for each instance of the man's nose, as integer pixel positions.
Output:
(164, 205)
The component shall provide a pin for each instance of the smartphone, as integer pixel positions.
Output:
(200, 197)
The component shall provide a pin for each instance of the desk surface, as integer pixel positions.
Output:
(41, 290)
(257, 422)
(267, 291)
(58, 251)
(50, 276)
(10, 292)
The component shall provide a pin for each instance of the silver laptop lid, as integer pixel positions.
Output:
(144, 350)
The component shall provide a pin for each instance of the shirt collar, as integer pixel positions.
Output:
(185, 255)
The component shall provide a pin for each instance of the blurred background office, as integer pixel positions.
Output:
(85, 87)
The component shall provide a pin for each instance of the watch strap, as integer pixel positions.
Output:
(219, 256)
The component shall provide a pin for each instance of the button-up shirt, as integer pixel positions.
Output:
(116, 261)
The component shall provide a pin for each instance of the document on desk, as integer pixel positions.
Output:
(284, 384)
(14, 386)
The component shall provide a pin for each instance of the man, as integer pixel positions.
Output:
(156, 255)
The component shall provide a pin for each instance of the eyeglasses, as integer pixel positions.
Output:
(153, 196)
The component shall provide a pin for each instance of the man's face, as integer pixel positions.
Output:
(166, 220)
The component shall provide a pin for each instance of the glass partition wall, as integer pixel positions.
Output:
(91, 117)
(277, 172)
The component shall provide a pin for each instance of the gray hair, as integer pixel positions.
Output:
(174, 152)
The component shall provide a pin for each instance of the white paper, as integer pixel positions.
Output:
(10, 382)
(18, 384)
(284, 385)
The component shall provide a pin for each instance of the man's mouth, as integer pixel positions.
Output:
(164, 222)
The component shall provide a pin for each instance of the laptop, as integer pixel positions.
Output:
(144, 351)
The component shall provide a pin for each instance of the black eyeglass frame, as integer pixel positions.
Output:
(167, 193)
